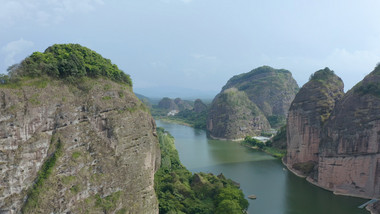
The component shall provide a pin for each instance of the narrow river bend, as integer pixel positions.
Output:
(278, 191)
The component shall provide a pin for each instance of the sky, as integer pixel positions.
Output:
(190, 48)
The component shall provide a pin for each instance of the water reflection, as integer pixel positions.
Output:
(278, 190)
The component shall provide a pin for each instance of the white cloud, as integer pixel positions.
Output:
(12, 49)
(44, 12)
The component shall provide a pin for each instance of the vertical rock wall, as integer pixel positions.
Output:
(307, 114)
(350, 149)
(233, 116)
(343, 140)
(109, 149)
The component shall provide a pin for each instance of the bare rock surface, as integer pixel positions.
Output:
(103, 139)
(268, 93)
(311, 107)
(342, 140)
(234, 116)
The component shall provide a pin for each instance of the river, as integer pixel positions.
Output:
(278, 191)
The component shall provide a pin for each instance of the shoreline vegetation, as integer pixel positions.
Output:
(267, 147)
(180, 191)
(275, 152)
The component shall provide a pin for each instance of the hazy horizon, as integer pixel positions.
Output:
(182, 47)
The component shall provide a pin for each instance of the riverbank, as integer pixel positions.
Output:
(172, 120)
(225, 139)
(277, 153)
(369, 208)
(256, 171)
(374, 208)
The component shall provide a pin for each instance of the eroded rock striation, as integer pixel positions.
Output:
(234, 116)
(349, 160)
(269, 90)
(199, 106)
(349, 142)
(308, 112)
(88, 146)
(272, 90)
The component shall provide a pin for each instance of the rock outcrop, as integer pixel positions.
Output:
(176, 104)
(272, 90)
(234, 116)
(309, 110)
(349, 150)
(168, 104)
(269, 90)
(182, 104)
(349, 160)
(199, 106)
(88, 146)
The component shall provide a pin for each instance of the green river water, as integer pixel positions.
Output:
(278, 191)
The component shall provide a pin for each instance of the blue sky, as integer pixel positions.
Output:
(190, 48)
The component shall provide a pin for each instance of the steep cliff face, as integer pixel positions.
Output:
(350, 148)
(167, 103)
(182, 104)
(272, 90)
(347, 157)
(88, 146)
(106, 142)
(176, 104)
(234, 116)
(307, 114)
(199, 106)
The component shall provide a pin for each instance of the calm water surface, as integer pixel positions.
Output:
(278, 191)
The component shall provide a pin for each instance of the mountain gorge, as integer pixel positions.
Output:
(334, 140)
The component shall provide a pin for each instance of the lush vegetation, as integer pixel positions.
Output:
(321, 75)
(66, 61)
(266, 147)
(276, 121)
(32, 201)
(179, 191)
(370, 84)
(306, 168)
(279, 140)
(372, 88)
(195, 119)
(266, 87)
(188, 117)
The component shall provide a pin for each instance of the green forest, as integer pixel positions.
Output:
(66, 61)
(180, 191)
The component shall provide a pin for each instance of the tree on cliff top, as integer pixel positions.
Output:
(323, 74)
(69, 62)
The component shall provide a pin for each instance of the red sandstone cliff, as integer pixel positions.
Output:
(308, 112)
(337, 144)
(349, 161)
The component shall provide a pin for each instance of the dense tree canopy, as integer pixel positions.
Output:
(180, 191)
(70, 62)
